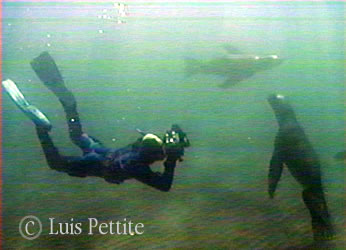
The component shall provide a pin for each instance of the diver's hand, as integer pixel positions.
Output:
(174, 151)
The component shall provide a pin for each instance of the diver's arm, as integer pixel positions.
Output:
(162, 182)
(275, 171)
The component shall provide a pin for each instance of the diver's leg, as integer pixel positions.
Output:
(73, 165)
(53, 157)
(48, 72)
(320, 219)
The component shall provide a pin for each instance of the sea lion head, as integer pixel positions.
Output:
(281, 107)
(266, 62)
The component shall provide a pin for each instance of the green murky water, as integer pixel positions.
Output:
(132, 75)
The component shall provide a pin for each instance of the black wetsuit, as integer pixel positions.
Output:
(114, 166)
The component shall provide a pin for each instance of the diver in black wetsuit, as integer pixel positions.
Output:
(114, 165)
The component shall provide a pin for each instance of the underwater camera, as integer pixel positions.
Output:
(176, 139)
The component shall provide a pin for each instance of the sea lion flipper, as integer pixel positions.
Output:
(235, 77)
(275, 171)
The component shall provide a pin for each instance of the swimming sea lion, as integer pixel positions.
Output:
(293, 149)
(235, 66)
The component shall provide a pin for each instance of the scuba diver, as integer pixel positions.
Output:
(114, 165)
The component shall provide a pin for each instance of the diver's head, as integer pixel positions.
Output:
(281, 107)
(151, 148)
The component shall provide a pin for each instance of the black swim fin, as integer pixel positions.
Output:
(48, 72)
(46, 69)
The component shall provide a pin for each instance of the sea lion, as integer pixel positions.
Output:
(235, 66)
(293, 149)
